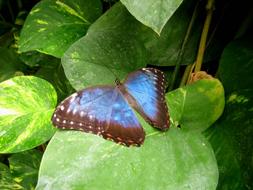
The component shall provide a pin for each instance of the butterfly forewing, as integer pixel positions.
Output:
(147, 87)
(100, 110)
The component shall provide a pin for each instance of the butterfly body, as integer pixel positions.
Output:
(107, 110)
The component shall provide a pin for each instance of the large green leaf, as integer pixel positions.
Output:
(24, 167)
(232, 135)
(154, 14)
(53, 25)
(167, 160)
(197, 106)
(172, 160)
(26, 106)
(115, 44)
(107, 50)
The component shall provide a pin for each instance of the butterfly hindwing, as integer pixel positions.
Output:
(147, 86)
(100, 110)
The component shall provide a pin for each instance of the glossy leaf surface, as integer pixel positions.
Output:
(154, 14)
(26, 106)
(106, 52)
(52, 26)
(197, 106)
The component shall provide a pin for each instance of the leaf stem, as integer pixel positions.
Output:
(185, 77)
(181, 52)
(202, 44)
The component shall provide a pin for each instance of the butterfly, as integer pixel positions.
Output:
(108, 110)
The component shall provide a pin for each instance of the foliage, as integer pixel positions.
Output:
(231, 135)
(22, 172)
(50, 48)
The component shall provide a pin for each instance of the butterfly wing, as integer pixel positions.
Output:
(147, 87)
(103, 111)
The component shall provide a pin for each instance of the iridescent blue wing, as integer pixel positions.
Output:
(147, 87)
(103, 111)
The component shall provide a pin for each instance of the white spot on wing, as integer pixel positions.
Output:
(57, 119)
(71, 122)
(62, 108)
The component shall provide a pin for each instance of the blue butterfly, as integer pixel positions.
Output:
(107, 110)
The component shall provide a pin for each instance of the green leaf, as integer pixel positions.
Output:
(172, 160)
(164, 50)
(196, 106)
(26, 106)
(10, 65)
(6, 179)
(236, 65)
(232, 135)
(108, 49)
(167, 160)
(24, 168)
(53, 25)
(154, 14)
(231, 138)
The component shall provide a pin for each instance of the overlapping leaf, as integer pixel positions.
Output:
(197, 106)
(26, 106)
(108, 49)
(154, 14)
(114, 46)
(52, 26)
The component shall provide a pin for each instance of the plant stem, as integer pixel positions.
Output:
(187, 72)
(181, 52)
(202, 44)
